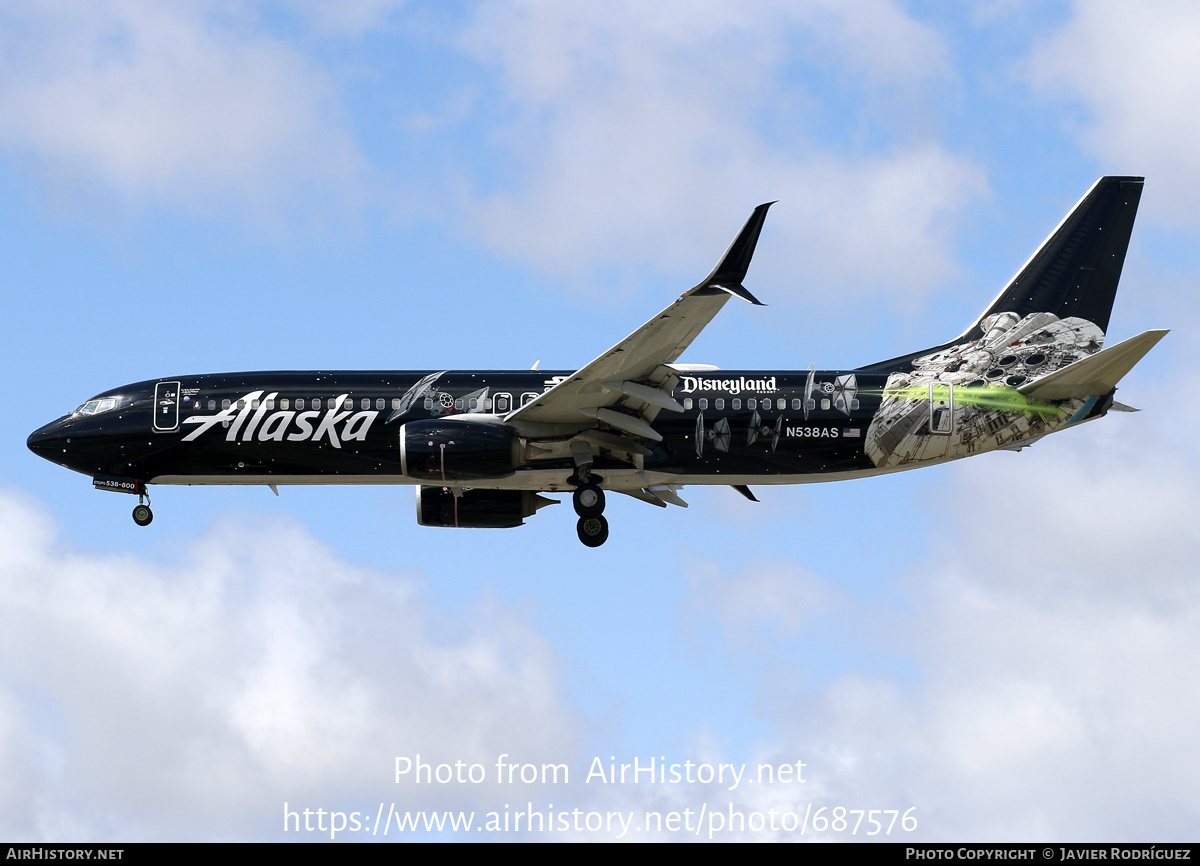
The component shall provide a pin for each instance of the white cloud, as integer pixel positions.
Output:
(191, 698)
(641, 136)
(183, 104)
(1135, 70)
(764, 600)
(1053, 620)
(347, 17)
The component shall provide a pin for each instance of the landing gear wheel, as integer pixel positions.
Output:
(588, 500)
(593, 531)
(142, 515)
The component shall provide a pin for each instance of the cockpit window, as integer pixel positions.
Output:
(95, 407)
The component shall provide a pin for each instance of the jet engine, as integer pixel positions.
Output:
(438, 452)
(477, 509)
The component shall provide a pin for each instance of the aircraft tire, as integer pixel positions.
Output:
(593, 531)
(588, 500)
(142, 515)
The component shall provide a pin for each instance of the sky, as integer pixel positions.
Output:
(1006, 648)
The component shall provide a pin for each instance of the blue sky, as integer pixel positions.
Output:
(211, 186)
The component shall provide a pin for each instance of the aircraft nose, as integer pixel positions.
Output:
(48, 441)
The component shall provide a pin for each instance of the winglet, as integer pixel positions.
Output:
(727, 276)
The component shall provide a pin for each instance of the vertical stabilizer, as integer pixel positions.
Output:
(1075, 271)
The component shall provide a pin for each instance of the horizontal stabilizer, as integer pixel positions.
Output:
(1096, 374)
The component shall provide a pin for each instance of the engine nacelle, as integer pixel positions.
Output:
(477, 509)
(440, 452)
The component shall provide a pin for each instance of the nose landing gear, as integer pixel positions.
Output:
(588, 500)
(142, 515)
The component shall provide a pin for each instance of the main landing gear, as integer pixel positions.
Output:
(588, 500)
(142, 515)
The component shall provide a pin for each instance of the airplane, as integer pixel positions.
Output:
(481, 447)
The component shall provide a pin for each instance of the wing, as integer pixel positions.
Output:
(628, 385)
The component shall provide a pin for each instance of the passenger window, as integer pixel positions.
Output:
(687, 403)
(702, 403)
(458, 404)
(395, 403)
(811, 403)
(254, 404)
(212, 405)
(365, 403)
(284, 403)
(380, 403)
(299, 402)
(473, 405)
(752, 403)
(824, 405)
(224, 404)
(528, 397)
(853, 405)
(796, 403)
(503, 401)
(719, 403)
(736, 403)
(270, 404)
